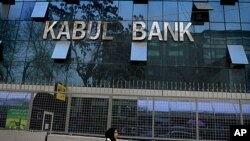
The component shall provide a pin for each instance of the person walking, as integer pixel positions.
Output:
(111, 134)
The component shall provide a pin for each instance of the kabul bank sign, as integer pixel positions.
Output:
(139, 31)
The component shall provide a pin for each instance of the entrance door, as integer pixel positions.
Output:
(47, 121)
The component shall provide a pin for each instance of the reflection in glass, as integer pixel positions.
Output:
(20, 51)
(185, 10)
(217, 116)
(233, 32)
(155, 10)
(125, 9)
(217, 14)
(140, 12)
(24, 30)
(246, 34)
(232, 13)
(27, 10)
(218, 34)
(15, 11)
(246, 112)
(244, 10)
(170, 11)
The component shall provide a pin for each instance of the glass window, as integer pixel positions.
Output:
(9, 30)
(218, 34)
(234, 35)
(244, 12)
(170, 11)
(27, 10)
(68, 11)
(217, 14)
(40, 10)
(185, 10)
(37, 30)
(61, 50)
(24, 30)
(5, 11)
(125, 10)
(80, 12)
(237, 54)
(140, 12)
(139, 51)
(55, 11)
(155, 10)
(232, 13)
(15, 11)
(20, 51)
(246, 34)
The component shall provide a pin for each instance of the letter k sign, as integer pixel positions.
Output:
(239, 132)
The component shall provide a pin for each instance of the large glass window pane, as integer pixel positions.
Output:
(232, 13)
(24, 30)
(234, 34)
(8, 30)
(27, 10)
(140, 12)
(15, 11)
(155, 10)
(246, 34)
(20, 51)
(218, 34)
(55, 10)
(80, 13)
(37, 30)
(170, 11)
(244, 9)
(185, 10)
(125, 9)
(217, 14)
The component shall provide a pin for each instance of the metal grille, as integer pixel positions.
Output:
(88, 115)
(136, 117)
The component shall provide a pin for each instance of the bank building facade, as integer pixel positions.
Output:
(153, 69)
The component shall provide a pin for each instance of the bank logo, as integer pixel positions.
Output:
(239, 132)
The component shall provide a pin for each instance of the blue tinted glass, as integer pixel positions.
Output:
(232, 13)
(217, 14)
(244, 12)
(140, 12)
(24, 30)
(170, 11)
(125, 9)
(155, 10)
(234, 35)
(27, 10)
(20, 50)
(15, 11)
(55, 10)
(246, 33)
(237, 54)
(185, 10)
(80, 12)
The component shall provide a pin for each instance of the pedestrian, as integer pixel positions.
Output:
(111, 134)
